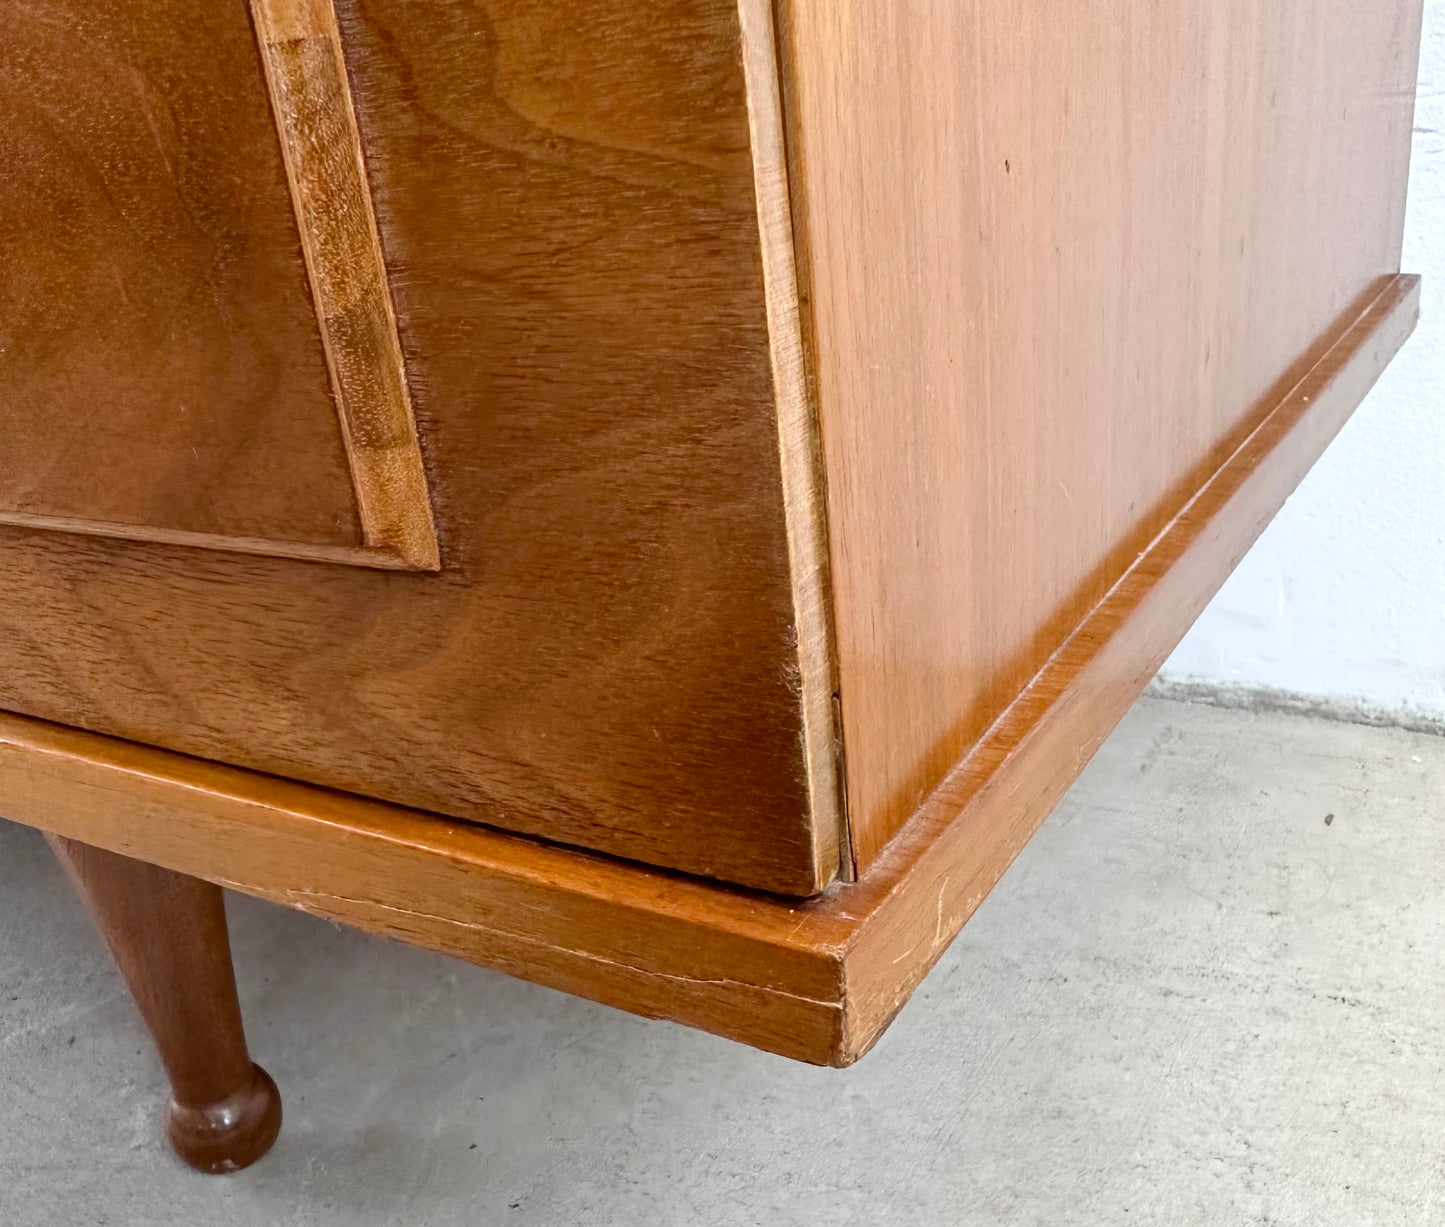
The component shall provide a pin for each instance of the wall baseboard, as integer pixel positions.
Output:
(1243, 697)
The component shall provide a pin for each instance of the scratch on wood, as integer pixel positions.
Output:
(314, 903)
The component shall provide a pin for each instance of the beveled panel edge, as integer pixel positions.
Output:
(321, 150)
(815, 980)
(376, 558)
(799, 446)
(306, 78)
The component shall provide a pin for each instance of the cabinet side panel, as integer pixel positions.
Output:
(1059, 258)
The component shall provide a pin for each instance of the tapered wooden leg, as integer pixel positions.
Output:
(167, 933)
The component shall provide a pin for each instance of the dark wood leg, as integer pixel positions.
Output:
(167, 933)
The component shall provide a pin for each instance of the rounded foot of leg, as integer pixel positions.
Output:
(232, 1133)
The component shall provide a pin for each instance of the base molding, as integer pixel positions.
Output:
(817, 980)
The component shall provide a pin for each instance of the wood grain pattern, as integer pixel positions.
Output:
(953, 852)
(1047, 271)
(1055, 255)
(611, 656)
(312, 102)
(167, 933)
(816, 979)
(156, 234)
(160, 363)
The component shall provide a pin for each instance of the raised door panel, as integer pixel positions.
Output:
(608, 654)
(164, 373)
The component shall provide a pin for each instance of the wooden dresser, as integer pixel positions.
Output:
(659, 497)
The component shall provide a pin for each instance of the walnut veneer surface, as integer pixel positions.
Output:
(160, 363)
(609, 654)
(765, 442)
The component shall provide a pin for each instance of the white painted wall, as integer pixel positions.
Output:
(1344, 596)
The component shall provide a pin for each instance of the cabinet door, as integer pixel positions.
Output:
(447, 475)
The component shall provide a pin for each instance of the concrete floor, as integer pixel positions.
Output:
(1191, 1001)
